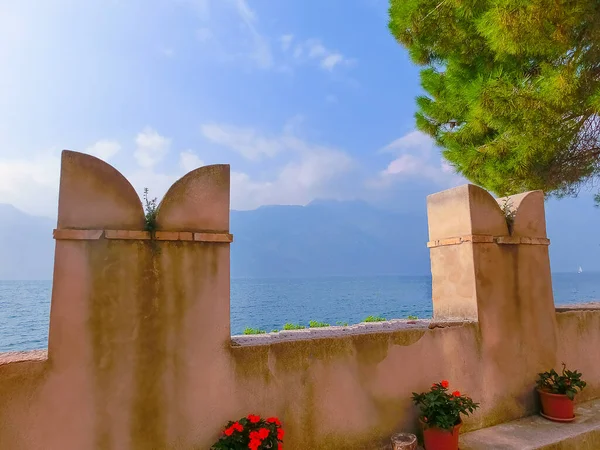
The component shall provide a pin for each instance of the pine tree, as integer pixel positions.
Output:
(512, 88)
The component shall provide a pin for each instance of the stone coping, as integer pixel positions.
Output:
(189, 236)
(388, 326)
(591, 306)
(28, 356)
(537, 433)
(488, 239)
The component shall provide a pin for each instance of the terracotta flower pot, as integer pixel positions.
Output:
(439, 439)
(556, 407)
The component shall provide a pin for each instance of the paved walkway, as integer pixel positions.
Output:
(537, 433)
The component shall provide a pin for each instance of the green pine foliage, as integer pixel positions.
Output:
(512, 88)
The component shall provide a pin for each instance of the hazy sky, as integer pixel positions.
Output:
(305, 99)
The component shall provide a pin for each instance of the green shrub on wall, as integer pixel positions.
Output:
(374, 319)
(293, 326)
(254, 331)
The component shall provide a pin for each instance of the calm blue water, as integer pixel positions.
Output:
(270, 303)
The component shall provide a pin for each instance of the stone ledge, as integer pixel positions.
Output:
(388, 326)
(486, 239)
(537, 433)
(591, 306)
(188, 236)
(18, 357)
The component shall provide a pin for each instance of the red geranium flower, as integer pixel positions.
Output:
(456, 393)
(228, 431)
(253, 419)
(445, 384)
(274, 420)
(280, 434)
(263, 433)
(279, 446)
(254, 444)
(255, 436)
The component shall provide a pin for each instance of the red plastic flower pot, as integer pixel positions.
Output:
(556, 406)
(439, 439)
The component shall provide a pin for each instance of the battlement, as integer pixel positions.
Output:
(140, 354)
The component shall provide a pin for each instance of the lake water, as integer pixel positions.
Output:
(270, 303)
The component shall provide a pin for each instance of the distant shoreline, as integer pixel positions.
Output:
(318, 277)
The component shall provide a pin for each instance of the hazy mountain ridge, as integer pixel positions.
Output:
(26, 245)
(321, 239)
(327, 238)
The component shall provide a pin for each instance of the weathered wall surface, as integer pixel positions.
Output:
(140, 354)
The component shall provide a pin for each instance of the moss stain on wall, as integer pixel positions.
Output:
(298, 357)
(149, 409)
(104, 328)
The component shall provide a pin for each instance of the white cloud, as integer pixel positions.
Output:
(167, 52)
(202, 8)
(204, 34)
(286, 41)
(235, 40)
(309, 173)
(189, 161)
(330, 61)
(314, 50)
(157, 183)
(261, 50)
(312, 175)
(31, 184)
(416, 157)
(246, 141)
(104, 149)
(234, 28)
(151, 147)
(415, 141)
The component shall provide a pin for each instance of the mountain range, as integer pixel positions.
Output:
(324, 238)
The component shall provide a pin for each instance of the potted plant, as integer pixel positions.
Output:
(440, 415)
(557, 392)
(253, 433)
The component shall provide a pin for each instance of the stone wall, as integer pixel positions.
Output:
(140, 354)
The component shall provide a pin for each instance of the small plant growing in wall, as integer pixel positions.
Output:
(315, 324)
(254, 331)
(251, 432)
(509, 213)
(342, 324)
(374, 319)
(151, 208)
(293, 326)
(412, 317)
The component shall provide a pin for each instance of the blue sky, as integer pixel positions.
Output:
(305, 100)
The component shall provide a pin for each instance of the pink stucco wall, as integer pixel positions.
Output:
(140, 354)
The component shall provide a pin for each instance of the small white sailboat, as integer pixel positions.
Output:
(579, 270)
